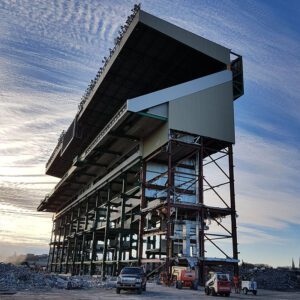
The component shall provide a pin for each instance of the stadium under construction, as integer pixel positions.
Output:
(146, 166)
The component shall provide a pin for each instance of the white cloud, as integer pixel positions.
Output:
(49, 52)
(270, 48)
(267, 181)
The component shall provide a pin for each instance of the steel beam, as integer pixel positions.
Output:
(122, 221)
(106, 233)
(143, 204)
(233, 210)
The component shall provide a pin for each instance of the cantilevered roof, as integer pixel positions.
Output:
(152, 55)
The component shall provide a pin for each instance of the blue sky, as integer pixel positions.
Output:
(50, 50)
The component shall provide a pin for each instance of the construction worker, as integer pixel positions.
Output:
(236, 283)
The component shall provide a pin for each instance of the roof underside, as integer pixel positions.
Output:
(119, 144)
(147, 61)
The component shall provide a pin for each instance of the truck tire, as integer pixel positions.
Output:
(245, 290)
(179, 284)
(118, 290)
(195, 285)
(213, 292)
(227, 294)
(206, 290)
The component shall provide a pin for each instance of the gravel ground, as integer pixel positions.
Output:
(153, 292)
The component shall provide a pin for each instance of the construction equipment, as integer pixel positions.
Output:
(164, 279)
(249, 286)
(217, 283)
(184, 277)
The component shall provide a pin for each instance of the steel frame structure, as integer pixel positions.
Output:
(135, 184)
(87, 240)
(172, 211)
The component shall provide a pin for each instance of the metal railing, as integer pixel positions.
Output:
(93, 82)
(105, 130)
(105, 60)
(56, 149)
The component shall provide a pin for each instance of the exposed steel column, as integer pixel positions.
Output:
(94, 240)
(131, 237)
(69, 241)
(142, 205)
(106, 231)
(201, 201)
(63, 244)
(83, 243)
(49, 264)
(233, 210)
(170, 196)
(74, 256)
(58, 245)
(122, 221)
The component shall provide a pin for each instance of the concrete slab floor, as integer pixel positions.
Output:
(153, 292)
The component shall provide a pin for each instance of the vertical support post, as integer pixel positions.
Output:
(201, 215)
(69, 240)
(83, 245)
(233, 210)
(49, 264)
(58, 247)
(122, 219)
(131, 237)
(67, 255)
(76, 240)
(103, 273)
(142, 206)
(63, 243)
(168, 219)
(94, 241)
(74, 256)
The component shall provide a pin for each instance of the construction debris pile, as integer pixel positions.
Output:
(18, 278)
(273, 279)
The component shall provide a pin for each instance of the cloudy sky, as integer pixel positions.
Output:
(50, 50)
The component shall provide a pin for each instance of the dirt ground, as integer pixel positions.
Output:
(153, 292)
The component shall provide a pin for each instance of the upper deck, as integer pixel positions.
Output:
(149, 55)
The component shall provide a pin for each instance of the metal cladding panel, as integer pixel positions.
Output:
(207, 113)
(180, 90)
(190, 39)
(155, 140)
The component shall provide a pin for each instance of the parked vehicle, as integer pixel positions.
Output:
(249, 286)
(184, 277)
(218, 284)
(132, 278)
